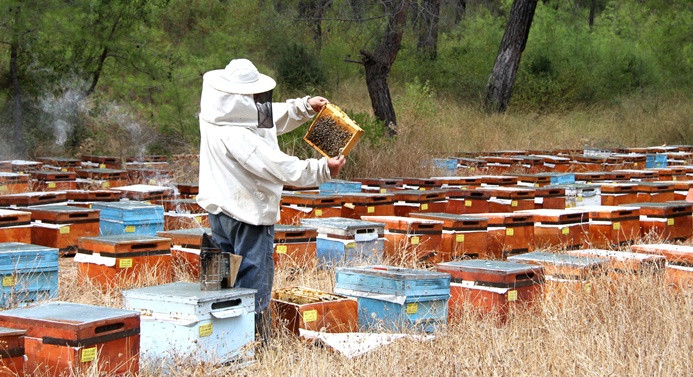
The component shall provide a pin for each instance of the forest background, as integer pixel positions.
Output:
(123, 77)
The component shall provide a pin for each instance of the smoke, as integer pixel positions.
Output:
(62, 110)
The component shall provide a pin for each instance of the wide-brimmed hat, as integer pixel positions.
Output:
(240, 77)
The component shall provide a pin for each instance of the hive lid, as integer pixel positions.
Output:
(557, 259)
(391, 272)
(68, 313)
(340, 223)
(15, 247)
(124, 238)
(185, 293)
(507, 267)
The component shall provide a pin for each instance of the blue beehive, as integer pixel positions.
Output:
(337, 186)
(449, 165)
(656, 160)
(130, 217)
(346, 242)
(396, 298)
(29, 273)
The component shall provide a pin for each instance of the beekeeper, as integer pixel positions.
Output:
(242, 170)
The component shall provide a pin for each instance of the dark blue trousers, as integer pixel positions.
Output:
(255, 243)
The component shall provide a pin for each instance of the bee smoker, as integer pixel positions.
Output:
(215, 266)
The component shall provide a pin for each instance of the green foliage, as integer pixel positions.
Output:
(297, 68)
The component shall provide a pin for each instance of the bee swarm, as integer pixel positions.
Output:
(328, 136)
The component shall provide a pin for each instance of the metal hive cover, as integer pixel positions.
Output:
(126, 205)
(4, 331)
(186, 293)
(452, 216)
(14, 247)
(341, 223)
(391, 272)
(557, 259)
(189, 231)
(59, 208)
(489, 265)
(69, 312)
(291, 228)
(119, 238)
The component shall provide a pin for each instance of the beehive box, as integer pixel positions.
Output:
(295, 207)
(563, 271)
(654, 192)
(509, 199)
(396, 298)
(550, 197)
(407, 201)
(463, 236)
(680, 254)
(144, 192)
(125, 217)
(180, 205)
(13, 183)
(578, 195)
(89, 196)
(148, 174)
(343, 241)
(11, 352)
(355, 205)
(295, 246)
(559, 228)
(338, 186)
(64, 338)
(102, 162)
(15, 226)
(180, 320)
(311, 309)
(29, 273)
(422, 184)
(53, 181)
(624, 262)
(614, 194)
(545, 179)
(118, 260)
(185, 248)
(60, 226)
(638, 175)
(591, 177)
(410, 239)
(187, 189)
(332, 130)
(32, 198)
(668, 221)
(380, 185)
(508, 233)
(175, 220)
(493, 287)
(611, 225)
(468, 201)
(62, 163)
(554, 163)
(656, 160)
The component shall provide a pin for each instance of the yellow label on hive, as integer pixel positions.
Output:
(198, 219)
(102, 166)
(579, 198)
(422, 189)
(617, 226)
(63, 170)
(536, 185)
(106, 185)
(412, 308)
(565, 231)
(9, 281)
(88, 354)
(467, 203)
(281, 249)
(3, 188)
(414, 240)
(673, 178)
(670, 222)
(130, 229)
(472, 169)
(635, 164)
(206, 330)
(513, 203)
(64, 230)
(459, 238)
(370, 209)
(152, 182)
(512, 295)
(424, 206)
(382, 190)
(318, 212)
(125, 263)
(588, 287)
(350, 245)
(310, 316)
(51, 184)
(509, 232)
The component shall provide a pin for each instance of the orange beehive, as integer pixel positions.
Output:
(60, 226)
(407, 201)
(180, 205)
(591, 177)
(380, 185)
(467, 201)
(654, 192)
(13, 183)
(492, 287)
(65, 338)
(11, 352)
(463, 236)
(32, 198)
(671, 173)
(679, 269)
(104, 177)
(611, 225)
(422, 184)
(614, 194)
(15, 226)
(61, 163)
(637, 175)
(508, 233)
(87, 196)
(118, 260)
(624, 262)
(497, 180)
(144, 192)
(175, 220)
(554, 163)
(566, 229)
(149, 174)
(53, 180)
(509, 199)
(102, 162)
(295, 207)
(681, 188)
(294, 246)
(564, 272)
(311, 309)
(187, 190)
(410, 239)
(679, 276)
(551, 197)
(668, 221)
(355, 205)
(185, 248)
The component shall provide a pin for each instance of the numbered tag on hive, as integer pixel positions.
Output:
(467, 203)
(370, 209)
(206, 330)
(512, 295)
(318, 212)
(412, 308)
(51, 184)
(424, 206)
(670, 222)
(513, 203)
(509, 232)
(88, 354)
(130, 229)
(125, 263)
(310, 316)
(617, 226)
(281, 249)
(9, 281)
(414, 240)
(459, 238)
(565, 230)
(64, 230)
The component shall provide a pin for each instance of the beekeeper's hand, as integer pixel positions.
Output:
(317, 103)
(335, 165)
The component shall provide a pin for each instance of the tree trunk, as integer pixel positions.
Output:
(460, 10)
(593, 10)
(378, 63)
(500, 82)
(429, 18)
(17, 129)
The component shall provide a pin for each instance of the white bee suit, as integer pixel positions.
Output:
(242, 170)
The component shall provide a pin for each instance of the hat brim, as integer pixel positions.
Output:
(219, 81)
